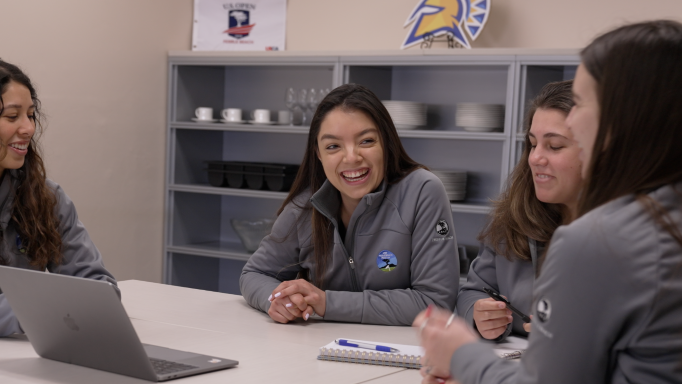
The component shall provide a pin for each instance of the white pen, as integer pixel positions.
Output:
(359, 344)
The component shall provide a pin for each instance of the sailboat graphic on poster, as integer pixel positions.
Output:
(433, 18)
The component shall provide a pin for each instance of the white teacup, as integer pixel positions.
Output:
(204, 113)
(232, 114)
(284, 117)
(261, 115)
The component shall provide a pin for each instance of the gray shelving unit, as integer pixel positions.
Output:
(201, 249)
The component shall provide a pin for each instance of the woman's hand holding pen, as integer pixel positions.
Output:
(491, 318)
(440, 336)
(526, 326)
(296, 298)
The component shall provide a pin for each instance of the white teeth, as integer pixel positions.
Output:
(354, 174)
(18, 146)
(542, 176)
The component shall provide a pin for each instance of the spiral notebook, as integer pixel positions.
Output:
(408, 356)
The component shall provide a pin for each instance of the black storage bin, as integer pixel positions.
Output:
(216, 173)
(235, 174)
(253, 173)
(279, 177)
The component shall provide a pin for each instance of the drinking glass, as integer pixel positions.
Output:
(313, 101)
(301, 103)
(290, 102)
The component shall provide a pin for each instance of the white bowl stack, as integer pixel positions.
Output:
(455, 183)
(406, 114)
(477, 117)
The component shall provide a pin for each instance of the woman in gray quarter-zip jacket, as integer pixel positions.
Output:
(369, 229)
(39, 227)
(542, 193)
(608, 301)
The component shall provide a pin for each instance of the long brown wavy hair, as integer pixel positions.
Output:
(311, 176)
(518, 214)
(638, 147)
(33, 210)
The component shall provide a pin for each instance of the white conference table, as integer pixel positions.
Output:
(221, 325)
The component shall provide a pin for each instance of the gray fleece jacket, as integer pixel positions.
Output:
(512, 279)
(398, 256)
(608, 304)
(80, 256)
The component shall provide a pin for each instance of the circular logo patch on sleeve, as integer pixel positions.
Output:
(386, 261)
(544, 309)
(442, 227)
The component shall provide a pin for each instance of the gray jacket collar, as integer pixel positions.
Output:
(327, 201)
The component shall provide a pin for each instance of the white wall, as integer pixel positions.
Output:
(100, 69)
(378, 24)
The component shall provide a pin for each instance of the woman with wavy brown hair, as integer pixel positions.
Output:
(608, 302)
(39, 226)
(542, 194)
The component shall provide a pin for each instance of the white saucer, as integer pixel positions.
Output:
(204, 121)
(232, 121)
(261, 122)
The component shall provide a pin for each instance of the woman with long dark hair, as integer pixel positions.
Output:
(38, 222)
(365, 234)
(608, 301)
(542, 194)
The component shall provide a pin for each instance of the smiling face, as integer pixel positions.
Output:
(554, 159)
(583, 121)
(349, 148)
(17, 125)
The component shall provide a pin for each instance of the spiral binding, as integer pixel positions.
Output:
(374, 358)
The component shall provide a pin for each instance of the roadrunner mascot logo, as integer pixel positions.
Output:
(438, 17)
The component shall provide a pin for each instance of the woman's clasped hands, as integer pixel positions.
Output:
(296, 299)
(441, 335)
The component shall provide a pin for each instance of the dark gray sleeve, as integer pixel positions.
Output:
(434, 271)
(580, 317)
(482, 274)
(8, 322)
(276, 260)
(80, 256)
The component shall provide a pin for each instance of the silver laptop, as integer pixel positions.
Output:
(82, 321)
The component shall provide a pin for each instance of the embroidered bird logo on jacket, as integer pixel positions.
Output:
(438, 17)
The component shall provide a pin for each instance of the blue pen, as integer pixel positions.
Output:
(359, 344)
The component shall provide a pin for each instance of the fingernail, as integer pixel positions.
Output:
(500, 305)
(277, 294)
(306, 316)
(270, 298)
(288, 305)
(510, 318)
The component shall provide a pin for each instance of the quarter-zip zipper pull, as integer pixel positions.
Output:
(352, 263)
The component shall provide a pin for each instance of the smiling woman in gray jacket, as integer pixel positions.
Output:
(39, 227)
(542, 194)
(368, 229)
(608, 302)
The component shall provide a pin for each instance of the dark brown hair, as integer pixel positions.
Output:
(33, 210)
(638, 146)
(311, 176)
(518, 214)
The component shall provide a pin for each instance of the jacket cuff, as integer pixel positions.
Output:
(344, 306)
(470, 361)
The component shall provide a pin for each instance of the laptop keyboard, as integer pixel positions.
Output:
(162, 367)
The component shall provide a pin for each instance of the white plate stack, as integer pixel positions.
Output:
(455, 183)
(477, 117)
(406, 114)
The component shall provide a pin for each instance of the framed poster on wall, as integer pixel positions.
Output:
(251, 25)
